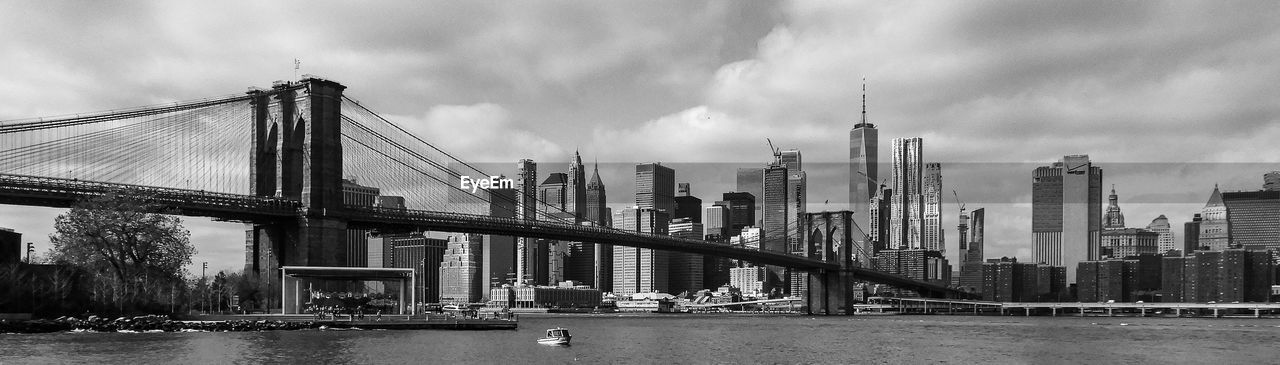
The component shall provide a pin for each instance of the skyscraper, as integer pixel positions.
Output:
(1215, 233)
(775, 222)
(971, 253)
(527, 209)
(1161, 226)
(358, 239)
(598, 213)
(717, 220)
(1254, 218)
(639, 270)
(906, 204)
(878, 229)
(1191, 235)
(553, 193)
(687, 206)
(932, 235)
(686, 268)
(460, 270)
(864, 178)
(576, 188)
(742, 210)
(751, 180)
(1066, 212)
(656, 187)
(498, 253)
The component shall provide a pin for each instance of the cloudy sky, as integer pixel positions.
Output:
(1168, 98)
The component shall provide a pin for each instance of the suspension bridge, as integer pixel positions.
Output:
(275, 159)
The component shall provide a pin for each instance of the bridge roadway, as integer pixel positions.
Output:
(63, 193)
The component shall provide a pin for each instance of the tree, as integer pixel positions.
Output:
(134, 256)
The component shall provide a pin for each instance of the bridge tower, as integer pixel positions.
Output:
(296, 153)
(828, 237)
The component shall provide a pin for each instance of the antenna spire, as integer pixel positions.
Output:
(864, 100)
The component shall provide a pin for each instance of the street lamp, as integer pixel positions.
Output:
(205, 286)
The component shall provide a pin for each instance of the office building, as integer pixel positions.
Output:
(599, 214)
(460, 279)
(1254, 219)
(527, 209)
(717, 220)
(639, 270)
(686, 205)
(1066, 212)
(552, 193)
(358, 239)
(498, 253)
(1007, 280)
(932, 235)
(420, 253)
(1191, 235)
(575, 193)
(742, 210)
(1215, 232)
(864, 181)
(878, 230)
(687, 269)
(655, 187)
(750, 180)
(750, 280)
(1165, 241)
(775, 223)
(11, 246)
(916, 264)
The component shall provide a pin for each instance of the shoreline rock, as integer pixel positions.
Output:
(150, 323)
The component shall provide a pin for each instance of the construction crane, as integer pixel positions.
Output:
(777, 153)
(953, 192)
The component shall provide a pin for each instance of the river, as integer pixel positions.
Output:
(661, 339)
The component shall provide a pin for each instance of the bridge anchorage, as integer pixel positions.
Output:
(301, 136)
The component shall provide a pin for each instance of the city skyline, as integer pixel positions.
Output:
(791, 72)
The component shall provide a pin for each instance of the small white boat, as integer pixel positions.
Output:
(556, 336)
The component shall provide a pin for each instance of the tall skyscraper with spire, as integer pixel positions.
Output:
(598, 213)
(864, 181)
(576, 189)
(526, 209)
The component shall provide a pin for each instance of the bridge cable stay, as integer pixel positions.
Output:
(190, 145)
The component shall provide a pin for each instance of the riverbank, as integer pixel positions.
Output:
(147, 324)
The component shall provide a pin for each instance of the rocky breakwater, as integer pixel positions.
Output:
(145, 324)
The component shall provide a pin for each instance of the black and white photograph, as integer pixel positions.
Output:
(656, 182)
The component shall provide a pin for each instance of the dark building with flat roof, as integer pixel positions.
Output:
(10, 246)
(1254, 219)
(1224, 276)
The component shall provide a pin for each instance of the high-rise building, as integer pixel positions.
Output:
(1191, 235)
(686, 268)
(553, 193)
(864, 181)
(932, 235)
(358, 239)
(750, 280)
(686, 205)
(717, 220)
(775, 219)
(1215, 232)
(1161, 226)
(1224, 276)
(656, 187)
(420, 253)
(906, 204)
(575, 192)
(971, 249)
(460, 279)
(751, 180)
(527, 209)
(1066, 212)
(498, 253)
(1254, 218)
(1271, 181)
(742, 210)
(878, 230)
(639, 270)
(598, 213)
(1114, 219)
